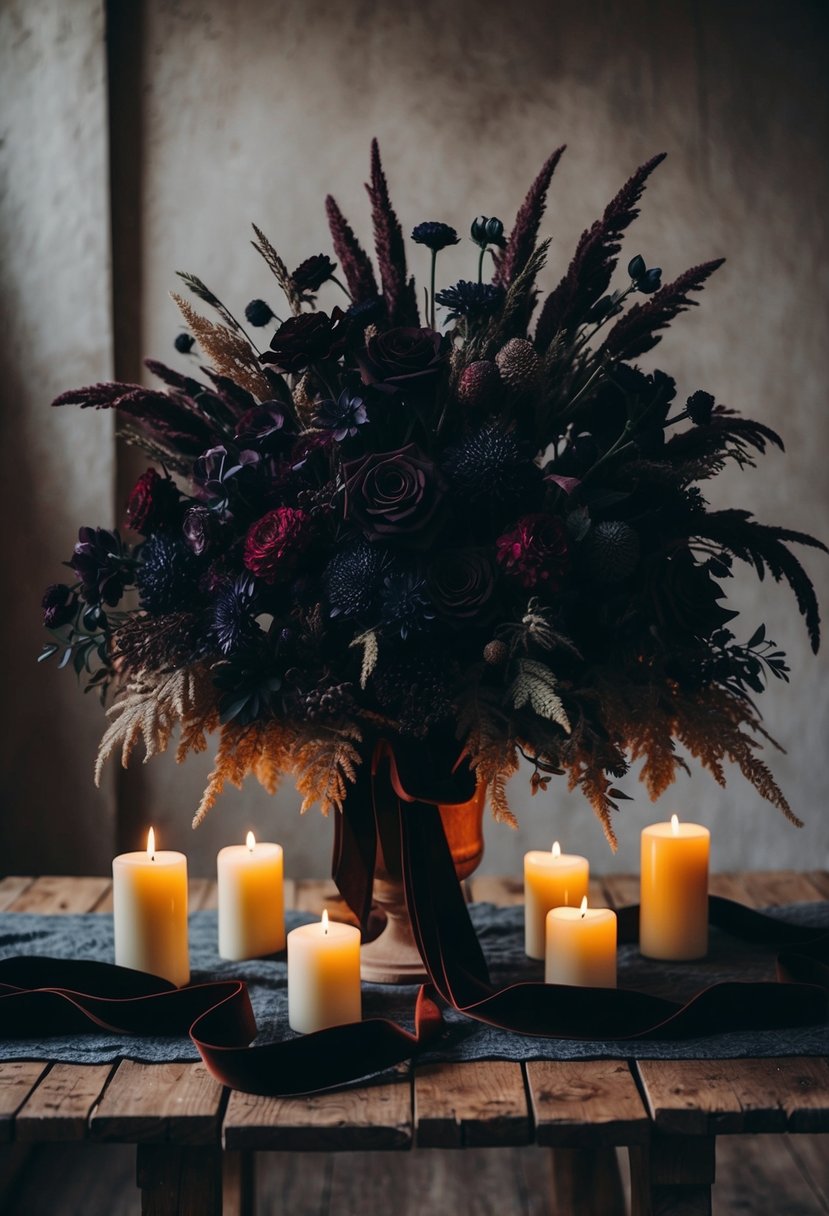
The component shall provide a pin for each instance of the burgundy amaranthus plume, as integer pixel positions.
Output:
(399, 293)
(355, 262)
(524, 234)
(635, 332)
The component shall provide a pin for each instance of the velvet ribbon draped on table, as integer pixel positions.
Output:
(46, 996)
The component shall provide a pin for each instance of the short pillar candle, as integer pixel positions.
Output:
(323, 975)
(581, 947)
(251, 899)
(673, 905)
(149, 912)
(551, 880)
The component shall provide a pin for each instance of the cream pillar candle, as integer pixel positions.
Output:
(149, 905)
(581, 947)
(251, 900)
(323, 975)
(673, 912)
(551, 880)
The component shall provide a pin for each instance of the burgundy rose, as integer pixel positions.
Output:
(153, 504)
(275, 542)
(300, 341)
(59, 606)
(394, 496)
(535, 552)
(403, 358)
(462, 584)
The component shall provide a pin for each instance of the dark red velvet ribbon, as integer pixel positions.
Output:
(41, 996)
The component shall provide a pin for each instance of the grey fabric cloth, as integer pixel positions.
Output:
(501, 932)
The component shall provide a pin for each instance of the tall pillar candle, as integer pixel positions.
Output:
(581, 947)
(251, 899)
(323, 975)
(551, 880)
(673, 913)
(149, 905)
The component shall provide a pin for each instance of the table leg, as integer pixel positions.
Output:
(180, 1180)
(672, 1176)
(238, 1183)
(587, 1181)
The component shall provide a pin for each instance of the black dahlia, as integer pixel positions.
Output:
(474, 301)
(102, 564)
(313, 272)
(405, 604)
(343, 417)
(300, 341)
(352, 580)
(434, 235)
(233, 622)
(166, 575)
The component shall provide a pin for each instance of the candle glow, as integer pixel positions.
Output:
(250, 841)
(151, 845)
(324, 921)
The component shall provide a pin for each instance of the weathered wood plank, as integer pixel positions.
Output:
(702, 1097)
(758, 1176)
(587, 1181)
(17, 1078)
(179, 1180)
(53, 895)
(373, 1117)
(730, 886)
(481, 1103)
(58, 1107)
(152, 1103)
(772, 888)
(672, 1176)
(620, 890)
(11, 888)
(820, 880)
(585, 1103)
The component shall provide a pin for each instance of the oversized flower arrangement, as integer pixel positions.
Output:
(480, 522)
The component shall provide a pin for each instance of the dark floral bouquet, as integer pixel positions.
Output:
(460, 523)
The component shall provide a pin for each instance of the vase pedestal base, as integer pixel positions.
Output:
(392, 957)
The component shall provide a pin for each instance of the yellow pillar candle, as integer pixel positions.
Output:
(323, 975)
(581, 947)
(673, 912)
(149, 905)
(251, 900)
(551, 880)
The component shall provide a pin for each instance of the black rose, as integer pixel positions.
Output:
(404, 358)
(394, 496)
(462, 585)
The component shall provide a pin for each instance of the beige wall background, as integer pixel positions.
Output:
(215, 114)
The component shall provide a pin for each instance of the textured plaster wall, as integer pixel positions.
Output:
(253, 111)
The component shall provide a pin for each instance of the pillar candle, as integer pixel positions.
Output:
(149, 904)
(251, 900)
(323, 975)
(581, 947)
(673, 913)
(551, 880)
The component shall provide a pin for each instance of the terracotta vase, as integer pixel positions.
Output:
(393, 957)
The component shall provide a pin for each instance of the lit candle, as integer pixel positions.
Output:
(581, 947)
(323, 975)
(251, 901)
(673, 912)
(551, 880)
(149, 904)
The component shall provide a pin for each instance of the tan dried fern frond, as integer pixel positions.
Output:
(324, 765)
(278, 269)
(371, 653)
(264, 749)
(149, 708)
(229, 352)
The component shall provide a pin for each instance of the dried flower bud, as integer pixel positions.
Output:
(519, 364)
(496, 653)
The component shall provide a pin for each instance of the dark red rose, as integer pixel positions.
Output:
(275, 542)
(462, 585)
(153, 504)
(59, 606)
(394, 496)
(300, 341)
(403, 358)
(535, 552)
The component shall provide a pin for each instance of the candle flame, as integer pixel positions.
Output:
(151, 845)
(675, 824)
(583, 907)
(250, 841)
(556, 849)
(325, 920)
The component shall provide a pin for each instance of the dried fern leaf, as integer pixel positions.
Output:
(535, 685)
(371, 652)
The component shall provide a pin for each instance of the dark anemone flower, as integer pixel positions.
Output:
(435, 236)
(405, 604)
(59, 605)
(474, 301)
(313, 272)
(233, 620)
(102, 564)
(343, 417)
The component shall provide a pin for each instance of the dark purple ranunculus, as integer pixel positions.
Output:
(199, 528)
(275, 542)
(462, 585)
(394, 496)
(153, 504)
(300, 341)
(403, 358)
(59, 605)
(102, 566)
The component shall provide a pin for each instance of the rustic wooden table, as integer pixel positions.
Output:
(196, 1142)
